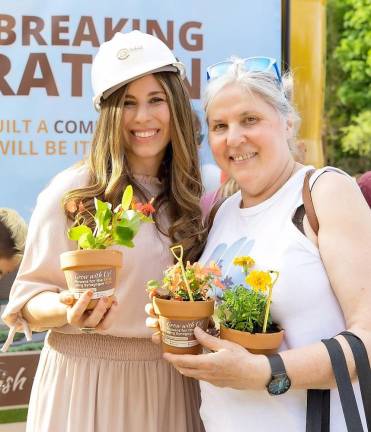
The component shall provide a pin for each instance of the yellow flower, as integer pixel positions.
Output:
(259, 280)
(244, 261)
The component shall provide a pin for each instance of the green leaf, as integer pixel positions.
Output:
(76, 232)
(152, 284)
(145, 218)
(123, 236)
(130, 219)
(127, 197)
(102, 216)
(87, 241)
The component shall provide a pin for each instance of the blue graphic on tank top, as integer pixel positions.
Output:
(224, 255)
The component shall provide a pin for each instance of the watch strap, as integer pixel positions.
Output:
(277, 365)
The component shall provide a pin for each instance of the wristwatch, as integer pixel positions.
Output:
(279, 382)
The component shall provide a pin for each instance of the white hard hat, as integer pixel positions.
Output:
(126, 57)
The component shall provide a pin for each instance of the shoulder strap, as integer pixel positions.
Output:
(363, 371)
(308, 203)
(346, 393)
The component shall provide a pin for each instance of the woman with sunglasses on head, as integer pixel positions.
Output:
(114, 378)
(324, 284)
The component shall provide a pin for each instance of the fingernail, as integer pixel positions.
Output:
(90, 293)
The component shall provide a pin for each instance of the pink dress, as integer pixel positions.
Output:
(115, 381)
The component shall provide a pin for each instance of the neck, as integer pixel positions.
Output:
(146, 169)
(287, 172)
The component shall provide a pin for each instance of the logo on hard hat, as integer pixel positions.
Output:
(124, 53)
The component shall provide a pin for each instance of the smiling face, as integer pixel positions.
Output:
(249, 141)
(146, 125)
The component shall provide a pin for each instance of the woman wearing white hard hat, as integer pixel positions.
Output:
(115, 379)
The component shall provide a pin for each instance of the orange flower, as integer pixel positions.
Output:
(81, 207)
(214, 269)
(147, 209)
(71, 206)
(218, 284)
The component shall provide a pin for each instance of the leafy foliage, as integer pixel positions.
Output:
(243, 309)
(357, 136)
(194, 282)
(4, 335)
(247, 308)
(30, 346)
(348, 90)
(112, 227)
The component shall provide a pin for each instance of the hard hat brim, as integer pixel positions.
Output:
(175, 67)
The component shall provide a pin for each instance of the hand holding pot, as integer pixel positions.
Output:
(100, 317)
(230, 365)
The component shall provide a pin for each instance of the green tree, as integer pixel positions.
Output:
(348, 88)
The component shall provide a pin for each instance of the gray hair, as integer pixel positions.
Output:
(264, 84)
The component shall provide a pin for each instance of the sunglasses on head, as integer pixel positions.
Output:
(250, 64)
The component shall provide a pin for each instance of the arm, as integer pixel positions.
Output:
(40, 287)
(45, 310)
(344, 241)
(345, 247)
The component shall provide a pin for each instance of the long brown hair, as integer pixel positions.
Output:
(109, 171)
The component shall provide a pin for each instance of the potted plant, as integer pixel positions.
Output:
(244, 312)
(92, 265)
(183, 301)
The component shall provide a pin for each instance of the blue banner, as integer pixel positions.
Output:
(46, 49)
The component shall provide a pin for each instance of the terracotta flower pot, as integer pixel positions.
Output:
(257, 343)
(94, 269)
(177, 322)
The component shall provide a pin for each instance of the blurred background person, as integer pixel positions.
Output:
(13, 232)
(364, 182)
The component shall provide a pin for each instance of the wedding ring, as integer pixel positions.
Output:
(88, 330)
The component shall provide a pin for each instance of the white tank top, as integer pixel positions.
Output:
(304, 304)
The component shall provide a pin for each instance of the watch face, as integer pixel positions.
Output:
(279, 384)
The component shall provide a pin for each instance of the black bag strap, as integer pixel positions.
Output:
(363, 371)
(318, 411)
(318, 401)
(347, 398)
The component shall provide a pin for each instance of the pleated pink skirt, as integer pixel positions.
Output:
(95, 383)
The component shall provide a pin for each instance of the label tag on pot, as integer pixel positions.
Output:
(179, 333)
(102, 282)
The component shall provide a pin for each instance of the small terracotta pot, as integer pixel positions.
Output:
(257, 343)
(94, 269)
(177, 322)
